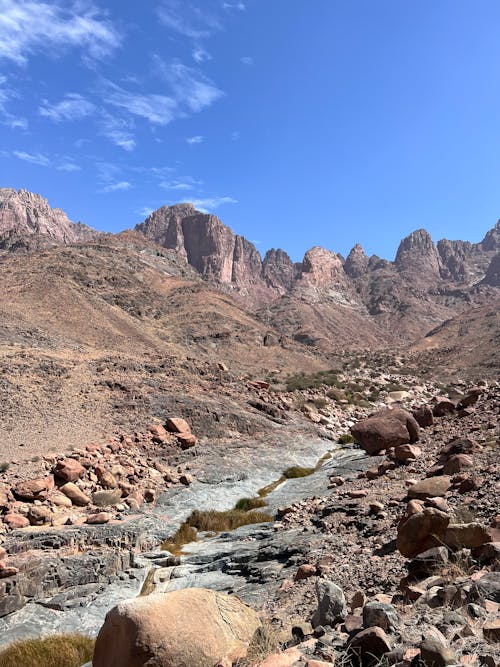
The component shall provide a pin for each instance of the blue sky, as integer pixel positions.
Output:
(298, 122)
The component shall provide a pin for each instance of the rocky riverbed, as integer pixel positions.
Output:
(74, 575)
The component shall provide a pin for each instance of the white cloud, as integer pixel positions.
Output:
(240, 6)
(117, 187)
(157, 109)
(185, 183)
(145, 212)
(235, 135)
(211, 203)
(32, 26)
(190, 87)
(9, 119)
(200, 54)
(117, 130)
(198, 139)
(246, 60)
(72, 107)
(188, 19)
(33, 158)
(69, 167)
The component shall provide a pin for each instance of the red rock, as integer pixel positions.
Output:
(370, 643)
(186, 440)
(69, 470)
(8, 571)
(353, 623)
(470, 484)
(16, 521)
(467, 535)
(76, 496)
(421, 532)
(375, 434)
(285, 659)
(39, 516)
(34, 489)
(430, 488)
(406, 453)
(442, 407)
(106, 479)
(438, 503)
(158, 431)
(470, 399)
(4, 500)
(305, 571)
(405, 418)
(178, 425)
(423, 416)
(99, 518)
(457, 463)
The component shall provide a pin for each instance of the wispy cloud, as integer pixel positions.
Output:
(208, 204)
(157, 109)
(69, 167)
(117, 187)
(198, 139)
(32, 26)
(72, 107)
(188, 19)
(247, 60)
(7, 118)
(33, 158)
(145, 212)
(200, 54)
(117, 130)
(191, 89)
(185, 183)
(240, 6)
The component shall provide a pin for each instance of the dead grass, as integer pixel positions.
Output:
(217, 522)
(247, 504)
(184, 535)
(57, 651)
(264, 643)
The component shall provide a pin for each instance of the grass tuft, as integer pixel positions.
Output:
(247, 504)
(58, 651)
(345, 438)
(184, 535)
(297, 471)
(217, 522)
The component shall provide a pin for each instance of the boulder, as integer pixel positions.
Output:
(469, 399)
(421, 531)
(177, 425)
(76, 496)
(34, 489)
(106, 479)
(69, 470)
(59, 499)
(432, 487)
(332, 606)
(435, 653)
(39, 515)
(375, 434)
(380, 615)
(15, 521)
(99, 518)
(406, 453)
(193, 627)
(467, 535)
(457, 446)
(457, 463)
(442, 407)
(370, 645)
(305, 571)
(486, 588)
(423, 416)
(405, 418)
(186, 440)
(428, 562)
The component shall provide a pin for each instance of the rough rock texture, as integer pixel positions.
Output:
(418, 256)
(22, 212)
(188, 628)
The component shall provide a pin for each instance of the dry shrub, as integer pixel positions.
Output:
(58, 651)
(217, 522)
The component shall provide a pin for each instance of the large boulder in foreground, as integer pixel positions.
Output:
(388, 428)
(193, 627)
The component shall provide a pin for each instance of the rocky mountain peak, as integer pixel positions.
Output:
(417, 255)
(25, 213)
(278, 270)
(321, 267)
(356, 263)
(491, 242)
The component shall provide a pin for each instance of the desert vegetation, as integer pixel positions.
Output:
(57, 651)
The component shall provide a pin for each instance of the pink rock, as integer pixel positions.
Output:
(186, 440)
(99, 518)
(16, 521)
(285, 659)
(34, 489)
(405, 453)
(305, 571)
(8, 571)
(69, 470)
(457, 464)
(178, 425)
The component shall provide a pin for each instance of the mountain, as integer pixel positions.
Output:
(324, 301)
(24, 213)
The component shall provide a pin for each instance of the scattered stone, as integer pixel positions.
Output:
(431, 487)
(491, 630)
(375, 434)
(435, 653)
(76, 496)
(177, 425)
(186, 440)
(332, 606)
(35, 489)
(442, 407)
(406, 453)
(421, 532)
(15, 521)
(305, 571)
(69, 470)
(457, 463)
(423, 416)
(466, 535)
(380, 615)
(99, 518)
(370, 645)
(39, 515)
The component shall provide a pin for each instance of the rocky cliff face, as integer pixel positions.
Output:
(24, 213)
(418, 258)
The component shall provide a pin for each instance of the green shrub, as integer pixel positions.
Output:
(320, 403)
(56, 651)
(297, 471)
(345, 438)
(4, 467)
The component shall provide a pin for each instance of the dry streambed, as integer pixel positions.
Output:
(250, 560)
